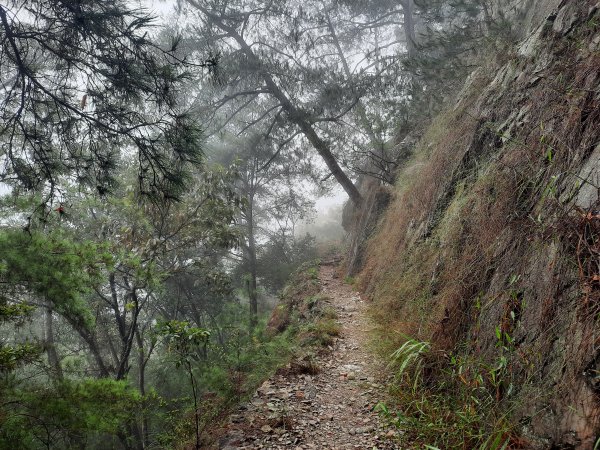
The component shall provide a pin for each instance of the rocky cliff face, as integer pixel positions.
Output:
(528, 14)
(490, 246)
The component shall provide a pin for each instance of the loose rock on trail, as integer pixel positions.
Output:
(332, 409)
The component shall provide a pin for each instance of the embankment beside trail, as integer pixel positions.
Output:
(490, 250)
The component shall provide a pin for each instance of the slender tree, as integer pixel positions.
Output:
(274, 200)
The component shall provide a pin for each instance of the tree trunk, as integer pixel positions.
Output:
(488, 19)
(408, 7)
(127, 341)
(142, 360)
(251, 285)
(196, 412)
(53, 359)
(90, 339)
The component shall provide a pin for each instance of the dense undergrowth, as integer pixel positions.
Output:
(197, 381)
(233, 373)
(86, 413)
(300, 326)
(484, 269)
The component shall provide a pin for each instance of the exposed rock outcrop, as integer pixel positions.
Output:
(491, 245)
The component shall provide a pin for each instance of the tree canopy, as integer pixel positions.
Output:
(83, 82)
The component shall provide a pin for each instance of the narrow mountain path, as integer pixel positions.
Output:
(333, 409)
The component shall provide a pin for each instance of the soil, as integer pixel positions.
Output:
(331, 409)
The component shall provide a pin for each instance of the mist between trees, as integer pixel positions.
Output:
(155, 178)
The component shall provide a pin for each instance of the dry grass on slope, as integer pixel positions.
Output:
(490, 248)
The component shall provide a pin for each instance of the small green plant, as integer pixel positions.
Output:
(408, 359)
(320, 333)
(184, 341)
(312, 301)
(457, 409)
(497, 441)
(329, 313)
(313, 272)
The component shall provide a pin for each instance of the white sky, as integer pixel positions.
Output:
(162, 8)
(336, 198)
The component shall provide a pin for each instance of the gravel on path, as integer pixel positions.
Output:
(333, 409)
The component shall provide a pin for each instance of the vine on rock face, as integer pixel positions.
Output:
(586, 234)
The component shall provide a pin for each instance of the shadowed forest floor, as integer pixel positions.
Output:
(332, 409)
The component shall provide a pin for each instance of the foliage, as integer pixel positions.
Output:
(320, 333)
(94, 275)
(86, 83)
(456, 409)
(68, 415)
(55, 269)
(52, 266)
(272, 205)
(237, 358)
(280, 257)
(12, 356)
(226, 369)
(182, 338)
(407, 360)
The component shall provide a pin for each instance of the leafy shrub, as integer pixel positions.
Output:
(67, 415)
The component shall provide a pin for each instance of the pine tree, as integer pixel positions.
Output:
(83, 82)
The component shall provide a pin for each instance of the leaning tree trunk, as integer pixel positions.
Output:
(295, 115)
(299, 118)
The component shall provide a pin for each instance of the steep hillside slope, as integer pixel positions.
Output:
(489, 249)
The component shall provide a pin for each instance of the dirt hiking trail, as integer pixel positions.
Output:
(332, 409)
